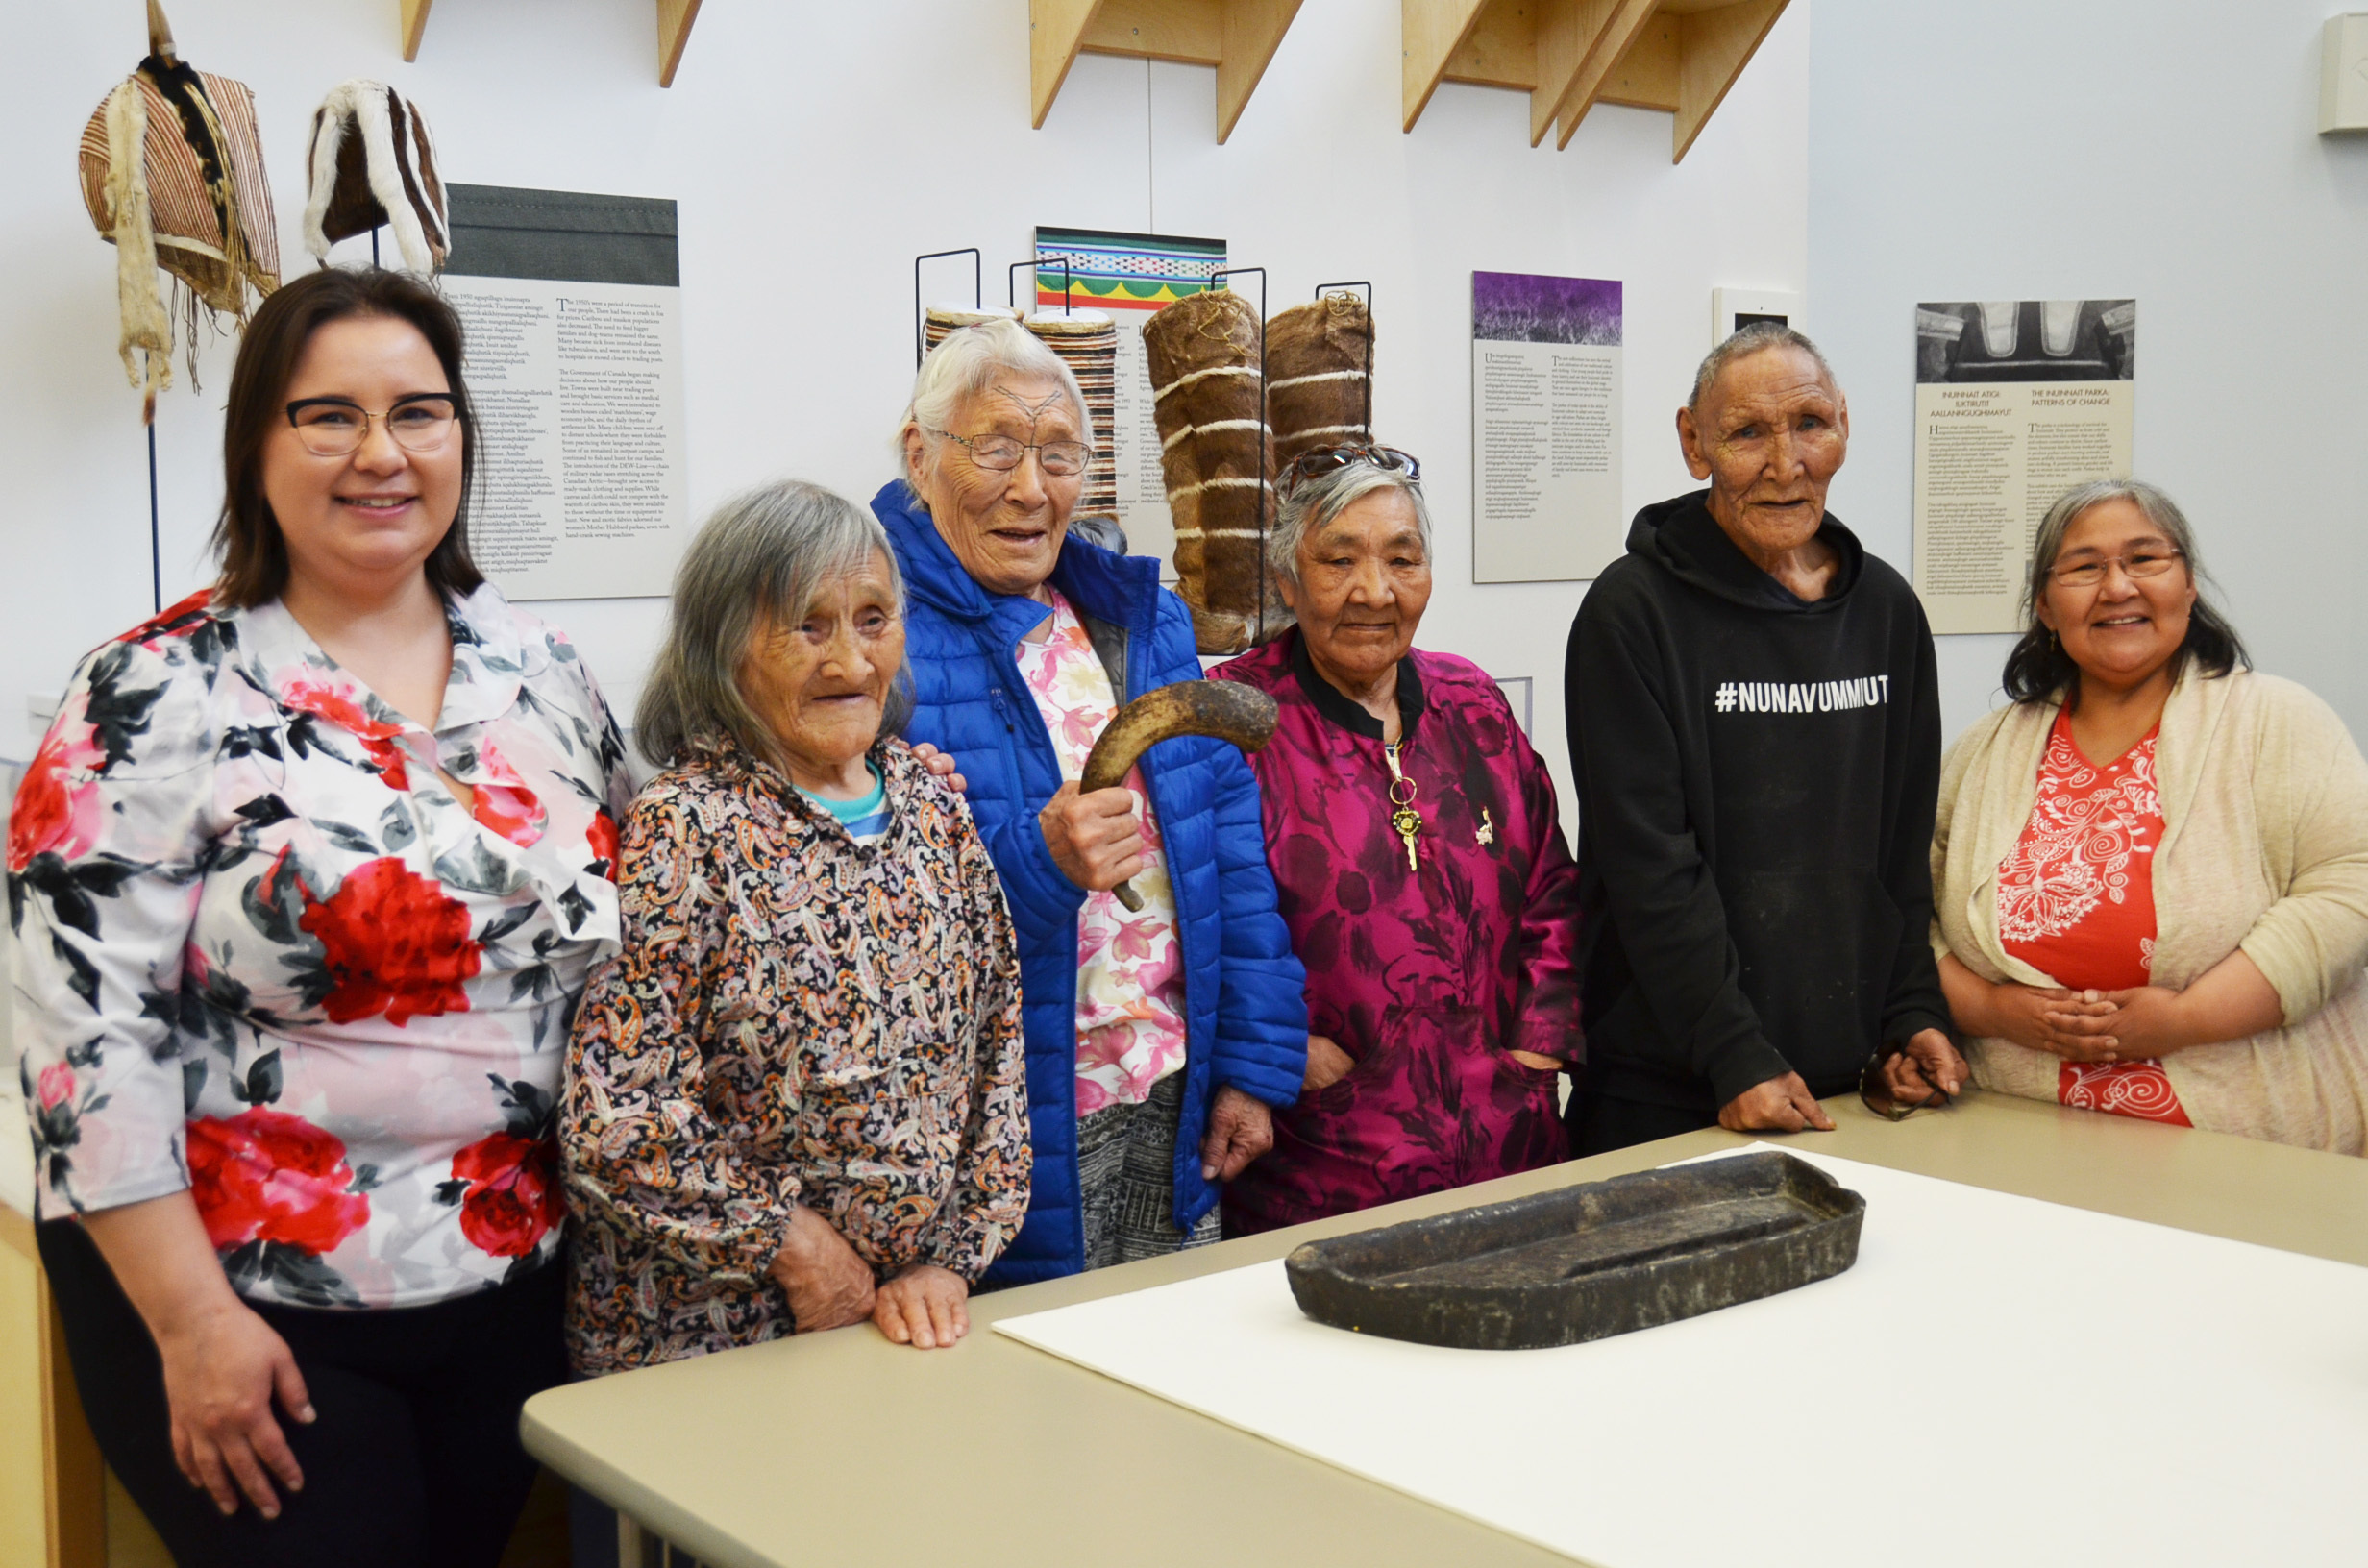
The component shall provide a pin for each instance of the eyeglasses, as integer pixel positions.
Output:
(1875, 1093)
(338, 427)
(1325, 459)
(2146, 563)
(1003, 454)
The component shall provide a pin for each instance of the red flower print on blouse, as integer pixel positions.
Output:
(175, 621)
(56, 1086)
(341, 710)
(395, 945)
(267, 1176)
(504, 802)
(51, 815)
(513, 1195)
(602, 835)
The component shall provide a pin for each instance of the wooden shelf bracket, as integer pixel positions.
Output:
(1677, 55)
(674, 30)
(1237, 36)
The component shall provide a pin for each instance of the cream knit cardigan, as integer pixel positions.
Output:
(2264, 847)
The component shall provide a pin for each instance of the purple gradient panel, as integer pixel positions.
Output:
(1531, 307)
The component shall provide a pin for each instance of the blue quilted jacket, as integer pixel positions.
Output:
(1244, 995)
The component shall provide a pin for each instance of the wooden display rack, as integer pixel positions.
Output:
(1681, 56)
(1237, 36)
(674, 30)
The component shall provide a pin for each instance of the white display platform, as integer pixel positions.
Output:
(1998, 1380)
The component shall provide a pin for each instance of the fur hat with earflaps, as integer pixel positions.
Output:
(172, 171)
(373, 163)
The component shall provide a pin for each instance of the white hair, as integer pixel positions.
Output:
(1753, 337)
(966, 364)
(1316, 501)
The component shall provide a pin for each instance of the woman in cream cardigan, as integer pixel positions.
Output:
(2151, 869)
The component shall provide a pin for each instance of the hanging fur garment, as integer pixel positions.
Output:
(172, 174)
(1087, 344)
(1217, 457)
(1319, 384)
(373, 163)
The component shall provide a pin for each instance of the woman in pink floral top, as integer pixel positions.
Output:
(305, 880)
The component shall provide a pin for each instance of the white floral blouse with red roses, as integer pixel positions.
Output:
(265, 954)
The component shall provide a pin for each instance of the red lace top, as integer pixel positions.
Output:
(2076, 900)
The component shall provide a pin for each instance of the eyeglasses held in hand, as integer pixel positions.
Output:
(1875, 1093)
(2146, 563)
(1002, 453)
(1325, 459)
(338, 427)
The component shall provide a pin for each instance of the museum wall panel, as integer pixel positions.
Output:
(813, 151)
(2028, 149)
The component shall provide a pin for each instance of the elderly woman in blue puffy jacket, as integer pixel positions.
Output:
(1156, 1039)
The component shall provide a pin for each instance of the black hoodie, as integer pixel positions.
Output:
(1756, 777)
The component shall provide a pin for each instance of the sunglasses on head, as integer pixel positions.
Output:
(1325, 459)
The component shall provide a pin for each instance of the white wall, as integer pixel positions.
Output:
(2036, 149)
(815, 149)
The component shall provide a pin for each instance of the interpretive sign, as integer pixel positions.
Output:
(574, 367)
(1545, 427)
(2016, 401)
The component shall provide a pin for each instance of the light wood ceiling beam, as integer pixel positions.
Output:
(414, 23)
(1237, 36)
(674, 30)
(1435, 35)
(1714, 46)
(1254, 29)
(1620, 23)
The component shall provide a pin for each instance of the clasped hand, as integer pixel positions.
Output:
(2090, 1025)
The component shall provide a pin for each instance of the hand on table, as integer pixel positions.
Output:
(1241, 1129)
(1093, 838)
(1780, 1104)
(1926, 1065)
(828, 1285)
(941, 764)
(1326, 1064)
(924, 1307)
(221, 1372)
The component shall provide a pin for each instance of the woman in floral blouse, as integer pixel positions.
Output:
(796, 1099)
(304, 880)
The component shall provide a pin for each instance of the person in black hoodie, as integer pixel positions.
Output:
(1755, 731)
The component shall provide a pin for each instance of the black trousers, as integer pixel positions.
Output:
(413, 1460)
(1599, 1123)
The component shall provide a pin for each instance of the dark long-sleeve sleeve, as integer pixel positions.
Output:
(1914, 1001)
(1659, 895)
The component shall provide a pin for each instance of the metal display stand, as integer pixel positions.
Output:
(1011, 284)
(921, 319)
(1321, 289)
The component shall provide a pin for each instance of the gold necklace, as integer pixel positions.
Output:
(1404, 821)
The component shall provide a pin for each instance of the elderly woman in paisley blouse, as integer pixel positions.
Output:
(2152, 866)
(305, 880)
(796, 1100)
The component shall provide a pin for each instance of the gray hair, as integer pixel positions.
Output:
(763, 553)
(1757, 337)
(2038, 668)
(1316, 501)
(966, 364)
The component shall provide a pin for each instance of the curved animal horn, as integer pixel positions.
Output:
(1223, 710)
(161, 34)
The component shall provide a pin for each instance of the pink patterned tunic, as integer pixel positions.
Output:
(2076, 901)
(1427, 977)
(1130, 973)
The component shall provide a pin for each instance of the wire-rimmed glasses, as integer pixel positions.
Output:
(1002, 453)
(338, 427)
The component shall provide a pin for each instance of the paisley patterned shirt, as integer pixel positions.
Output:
(266, 955)
(1130, 971)
(795, 1019)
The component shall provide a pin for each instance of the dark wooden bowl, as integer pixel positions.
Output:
(1586, 1262)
